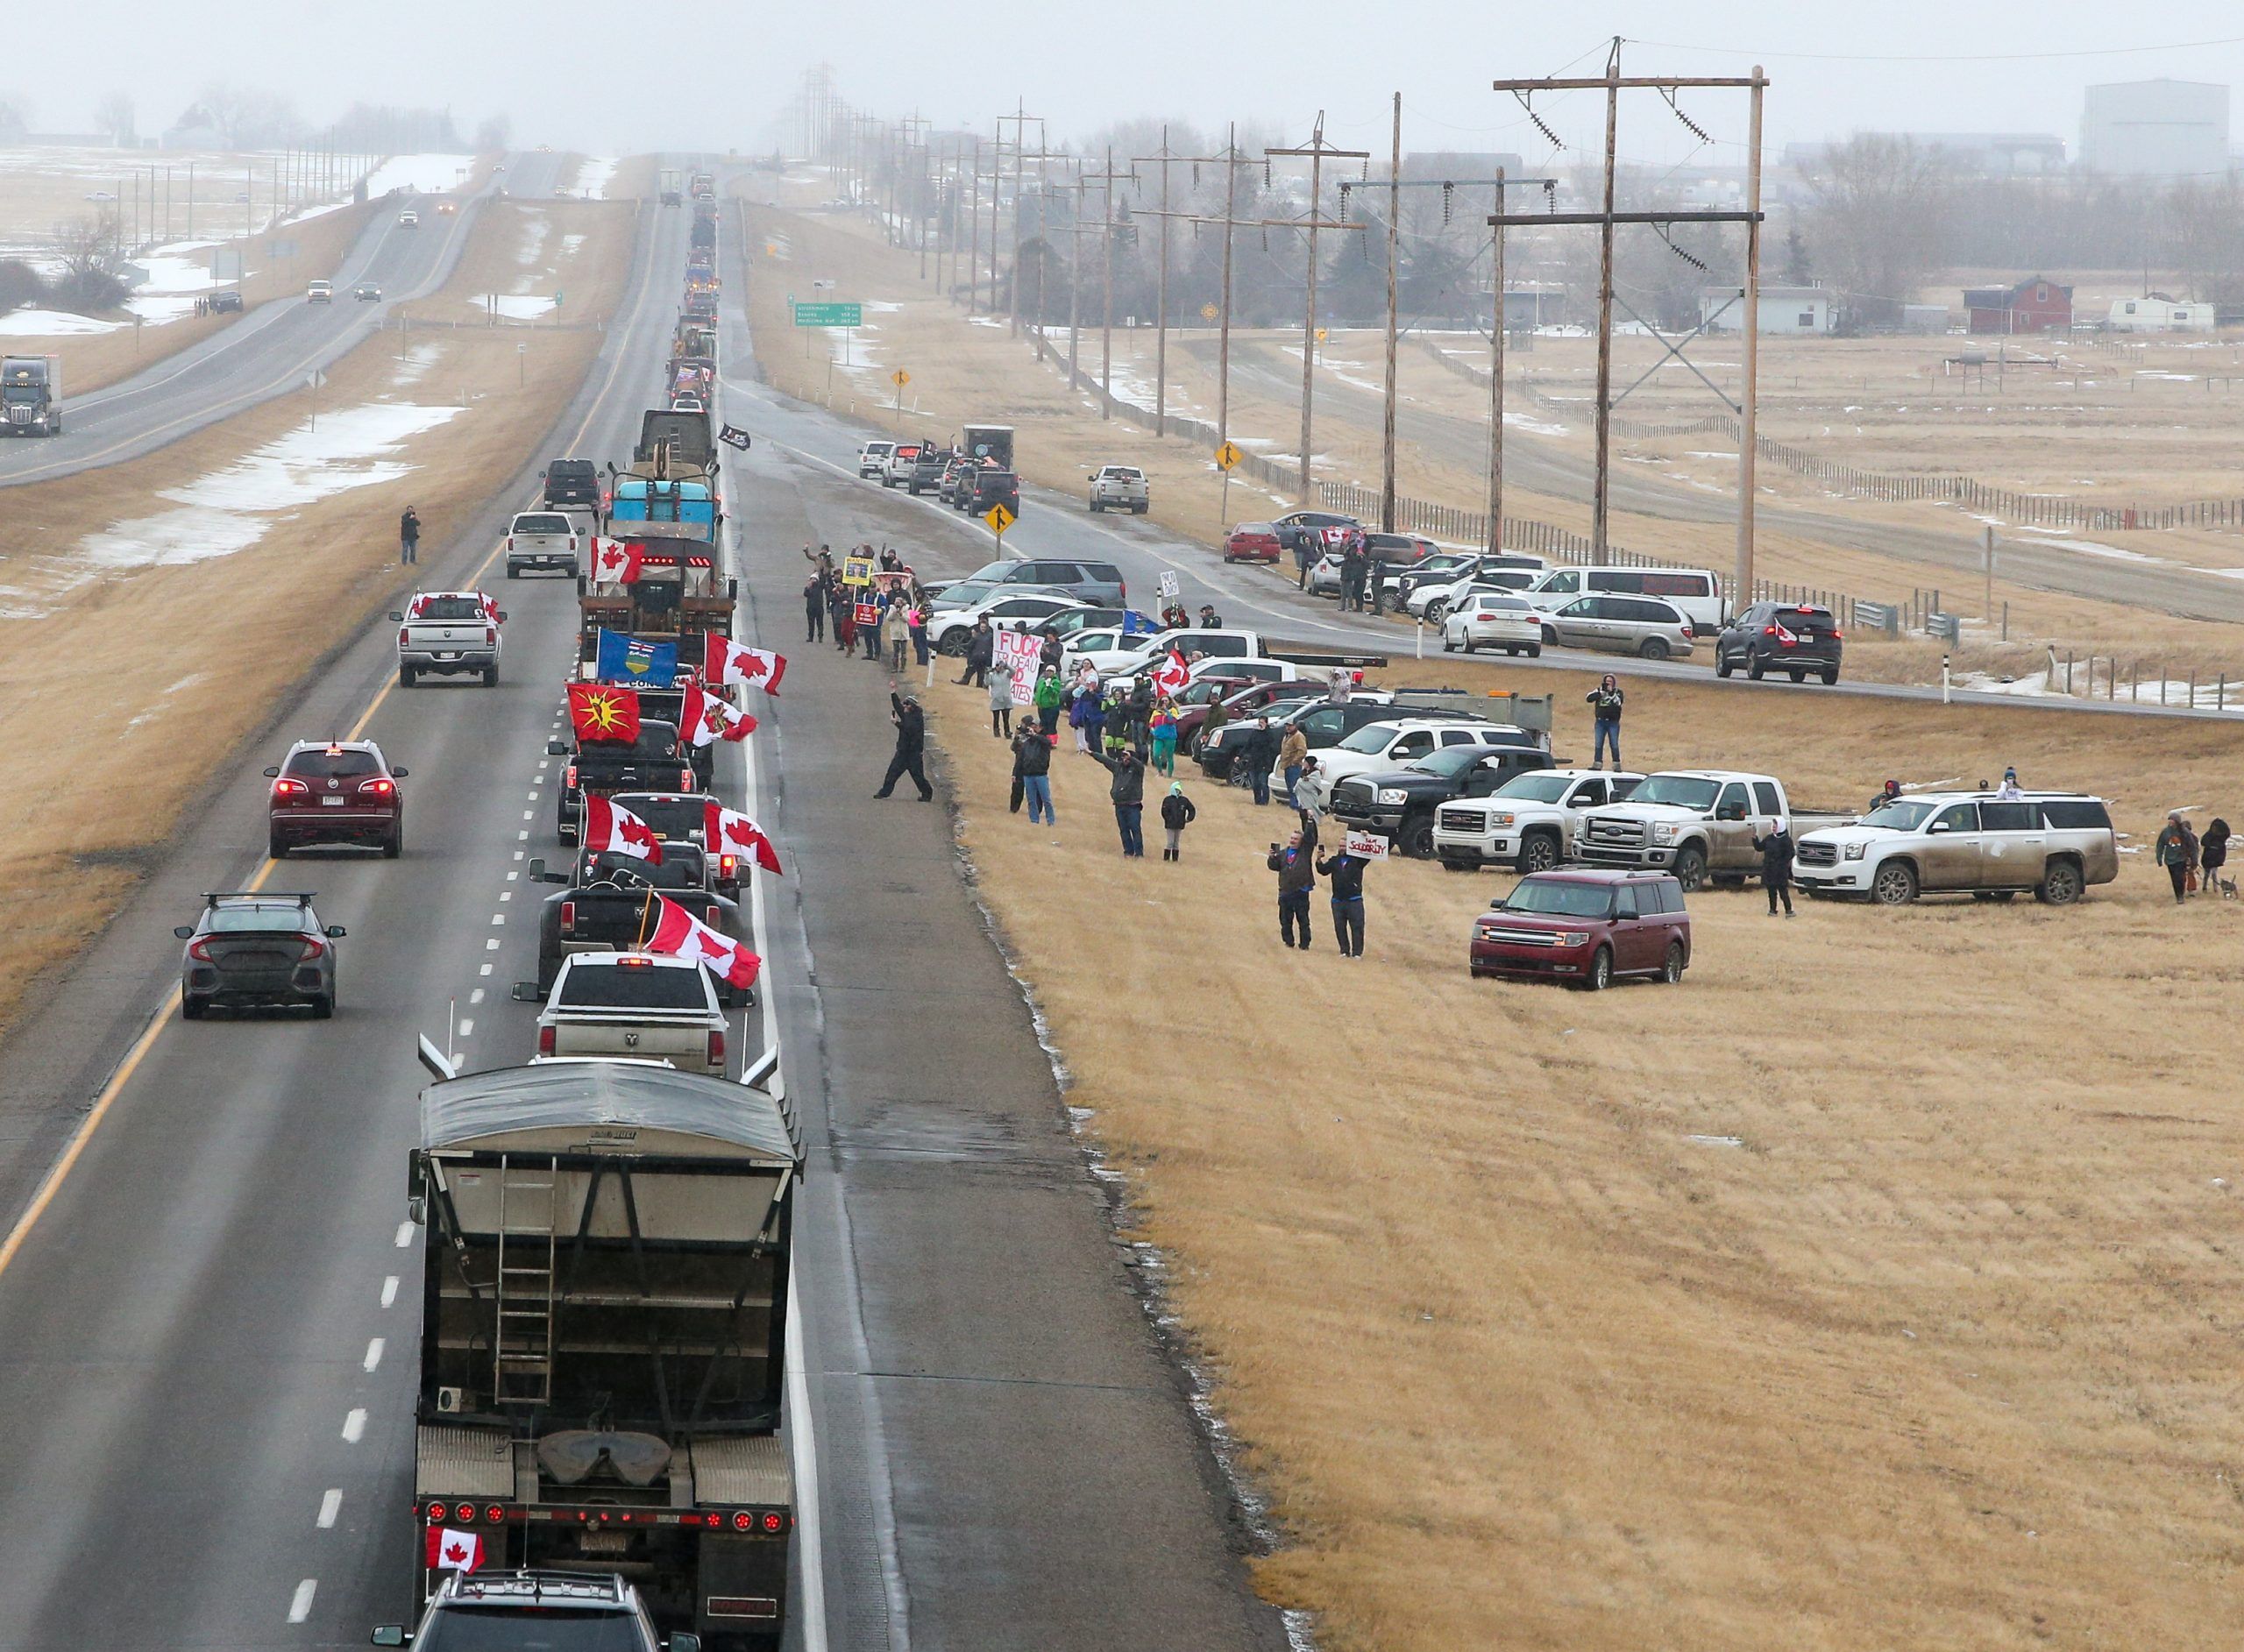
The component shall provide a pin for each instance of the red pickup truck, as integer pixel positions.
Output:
(1584, 927)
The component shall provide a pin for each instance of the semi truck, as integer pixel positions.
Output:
(603, 1333)
(30, 395)
(673, 189)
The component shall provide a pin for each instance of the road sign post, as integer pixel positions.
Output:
(1227, 457)
(829, 314)
(999, 519)
(899, 378)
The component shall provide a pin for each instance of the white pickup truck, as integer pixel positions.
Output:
(640, 1006)
(1699, 824)
(1529, 823)
(448, 633)
(541, 540)
(1119, 487)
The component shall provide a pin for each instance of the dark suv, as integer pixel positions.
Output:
(335, 791)
(1323, 723)
(571, 484)
(486, 1611)
(1400, 803)
(1584, 927)
(1792, 637)
(991, 487)
(226, 302)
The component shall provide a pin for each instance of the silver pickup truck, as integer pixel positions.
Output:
(541, 540)
(448, 633)
(638, 1005)
(1119, 487)
(1699, 824)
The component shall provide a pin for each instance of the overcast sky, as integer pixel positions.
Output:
(608, 77)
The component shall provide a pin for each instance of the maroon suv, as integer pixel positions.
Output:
(1584, 927)
(335, 791)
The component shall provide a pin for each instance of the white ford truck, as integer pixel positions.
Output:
(640, 1006)
(1529, 823)
(1119, 487)
(541, 540)
(1699, 824)
(448, 633)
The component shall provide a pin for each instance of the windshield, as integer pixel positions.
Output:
(341, 765)
(448, 609)
(1899, 817)
(632, 986)
(529, 1630)
(681, 868)
(542, 525)
(1686, 791)
(1450, 761)
(1534, 788)
(1370, 737)
(256, 920)
(655, 739)
(669, 816)
(1558, 898)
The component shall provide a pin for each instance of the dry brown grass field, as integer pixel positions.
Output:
(524, 247)
(128, 653)
(1867, 1290)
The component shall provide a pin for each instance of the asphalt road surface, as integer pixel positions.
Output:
(269, 351)
(1531, 462)
(208, 1307)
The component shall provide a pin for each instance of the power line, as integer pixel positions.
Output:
(1946, 57)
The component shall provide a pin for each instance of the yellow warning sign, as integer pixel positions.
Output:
(1208, 312)
(899, 378)
(1322, 334)
(998, 518)
(1228, 456)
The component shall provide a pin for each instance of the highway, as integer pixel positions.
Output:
(207, 1298)
(270, 350)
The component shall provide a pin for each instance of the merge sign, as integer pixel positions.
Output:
(829, 314)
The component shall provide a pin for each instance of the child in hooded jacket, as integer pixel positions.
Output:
(1176, 814)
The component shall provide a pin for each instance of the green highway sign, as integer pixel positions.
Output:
(829, 314)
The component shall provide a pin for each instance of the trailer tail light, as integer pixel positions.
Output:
(716, 1049)
(545, 1040)
(494, 1513)
(286, 787)
(772, 1523)
(438, 1513)
(743, 1521)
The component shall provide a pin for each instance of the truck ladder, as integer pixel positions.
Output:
(523, 1342)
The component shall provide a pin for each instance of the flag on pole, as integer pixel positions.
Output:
(679, 934)
(727, 661)
(729, 831)
(704, 719)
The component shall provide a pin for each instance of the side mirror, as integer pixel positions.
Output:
(527, 992)
(537, 869)
(273, 773)
(502, 616)
(335, 932)
(553, 748)
(683, 1642)
(185, 932)
(399, 772)
(395, 617)
(1938, 825)
(392, 1634)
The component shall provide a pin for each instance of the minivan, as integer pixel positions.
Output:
(1695, 594)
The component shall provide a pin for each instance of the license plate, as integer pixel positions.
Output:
(330, 803)
(442, 655)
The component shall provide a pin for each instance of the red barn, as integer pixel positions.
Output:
(2034, 306)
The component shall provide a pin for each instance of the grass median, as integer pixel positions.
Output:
(1868, 1289)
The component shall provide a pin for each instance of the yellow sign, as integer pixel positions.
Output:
(998, 518)
(1228, 456)
(1208, 312)
(899, 378)
(1322, 334)
(856, 570)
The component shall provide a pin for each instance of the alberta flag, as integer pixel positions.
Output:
(628, 659)
(1136, 625)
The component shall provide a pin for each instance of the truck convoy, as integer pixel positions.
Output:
(603, 1321)
(30, 395)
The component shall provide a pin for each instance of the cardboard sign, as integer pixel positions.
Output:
(1023, 651)
(1169, 586)
(866, 613)
(856, 570)
(1365, 845)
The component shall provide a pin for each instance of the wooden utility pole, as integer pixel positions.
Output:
(1750, 396)
(1394, 217)
(1020, 117)
(1496, 379)
(1600, 501)
(1108, 178)
(1317, 151)
(1161, 287)
(1231, 160)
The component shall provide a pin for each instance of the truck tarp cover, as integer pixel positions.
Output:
(603, 1105)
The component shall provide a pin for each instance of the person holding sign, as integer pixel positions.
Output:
(1343, 875)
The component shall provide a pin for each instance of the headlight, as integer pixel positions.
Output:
(1575, 937)
(1856, 851)
(1392, 794)
(1503, 818)
(1663, 835)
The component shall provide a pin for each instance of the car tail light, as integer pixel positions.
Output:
(569, 777)
(314, 947)
(685, 780)
(728, 865)
(716, 1049)
(1835, 633)
(285, 787)
(199, 949)
(378, 788)
(568, 915)
(403, 634)
(545, 1040)
(716, 914)
(510, 541)
(490, 635)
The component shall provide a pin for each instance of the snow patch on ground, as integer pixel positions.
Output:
(424, 175)
(594, 177)
(176, 279)
(536, 226)
(52, 323)
(417, 361)
(518, 307)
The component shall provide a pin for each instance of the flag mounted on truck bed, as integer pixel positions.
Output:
(624, 658)
(732, 436)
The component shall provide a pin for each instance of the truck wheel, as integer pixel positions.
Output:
(1690, 866)
(1141, 510)
(1652, 649)
(1600, 971)
(1417, 837)
(1435, 610)
(490, 677)
(2061, 884)
(1539, 851)
(1672, 970)
(513, 572)
(405, 674)
(1723, 667)
(1895, 885)
(1095, 507)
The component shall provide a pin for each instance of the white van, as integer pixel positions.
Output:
(1694, 593)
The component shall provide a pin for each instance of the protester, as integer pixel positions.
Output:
(1258, 746)
(1210, 619)
(896, 627)
(1343, 875)
(1128, 794)
(1890, 793)
(1295, 866)
(814, 610)
(1605, 702)
(409, 537)
(1172, 618)
(1291, 750)
(1176, 814)
(974, 664)
(915, 626)
(1378, 586)
(1776, 864)
(1161, 726)
(1033, 774)
(1052, 652)
(1115, 725)
(2177, 850)
(911, 746)
(2212, 854)
(2010, 792)
(871, 633)
(1141, 713)
(1001, 699)
(1087, 719)
(845, 619)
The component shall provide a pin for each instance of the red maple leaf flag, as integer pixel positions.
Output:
(607, 826)
(679, 934)
(616, 562)
(705, 719)
(597, 711)
(450, 1550)
(728, 661)
(1172, 674)
(729, 831)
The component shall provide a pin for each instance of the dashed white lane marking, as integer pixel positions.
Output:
(373, 1352)
(511, 876)
(329, 1506)
(507, 894)
(529, 814)
(519, 853)
(467, 1028)
(300, 1607)
(404, 1234)
(522, 837)
(498, 918)
(533, 797)
(354, 1426)
(476, 996)
(389, 1289)
(486, 968)
(491, 945)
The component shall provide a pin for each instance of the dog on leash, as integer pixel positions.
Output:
(2227, 886)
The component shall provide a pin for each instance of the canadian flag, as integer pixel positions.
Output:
(1172, 674)
(731, 832)
(729, 663)
(450, 1550)
(610, 827)
(616, 562)
(679, 934)
(705, 719)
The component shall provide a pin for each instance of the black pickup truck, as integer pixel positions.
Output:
(602, 768)
(608, 904)
(1400, 803)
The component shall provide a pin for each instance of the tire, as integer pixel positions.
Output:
(953, 646)
(1458, 865)
(1830, 677)
(1550, 637)
(405, 676)
(1652, 649)
(1417, 837)
(1600, 971)
(1690, 867)
(1539, 851)
(1435, 610)
(1755, 670)
(193, 1009)
(1670, 970)
(1535, 651)
(1450, 647)
(490, 677)
(1141, 510)
(1895, 884)
(394, 846)
(1723, 667)
(1797, 677)
(276, 847)
(2061, 884)
(324, 1007)
(513, 572)
(1095, 507)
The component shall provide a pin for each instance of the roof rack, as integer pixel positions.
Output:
(302, 898)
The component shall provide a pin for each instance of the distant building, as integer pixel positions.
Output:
(2034, 305)
(2156, 128)
(1533, 304)
(2156, 313)
(1987, 154)
(1924, 318)
(1799, 310)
